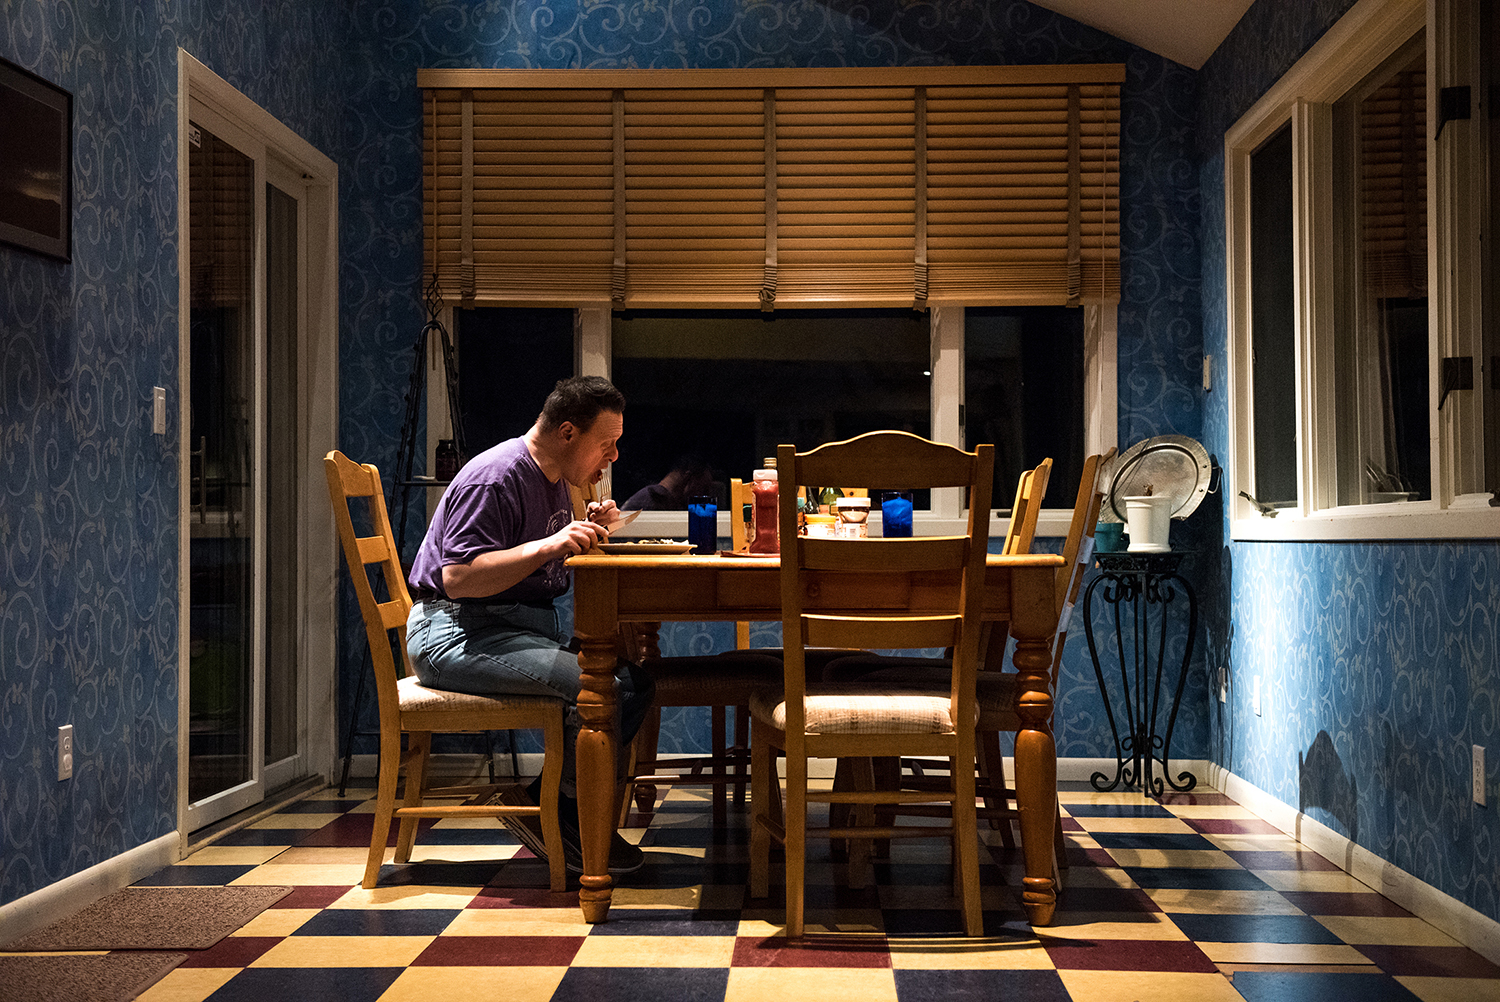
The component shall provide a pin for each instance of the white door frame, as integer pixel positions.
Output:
(200, 87)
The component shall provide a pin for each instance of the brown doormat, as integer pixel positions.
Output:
(108, 977)
(154, 918)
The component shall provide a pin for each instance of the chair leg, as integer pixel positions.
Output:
(552, 766)
(762, 776)
(966, 846)
(721, 774)
(416, 782)
(385, 805)
(994, 770)
(742, 743)
(646, 741)
(796, 842)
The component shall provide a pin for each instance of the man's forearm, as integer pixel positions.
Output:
(492, 573)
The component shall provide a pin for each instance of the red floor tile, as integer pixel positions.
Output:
(812, 951)
(500, 951)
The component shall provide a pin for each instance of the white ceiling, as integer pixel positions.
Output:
(1185, 31)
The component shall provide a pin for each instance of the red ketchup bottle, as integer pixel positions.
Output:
(765, 486)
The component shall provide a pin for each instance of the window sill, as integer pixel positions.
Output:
(1466, 518)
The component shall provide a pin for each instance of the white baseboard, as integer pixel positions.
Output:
(59, 900)
(1474, 929)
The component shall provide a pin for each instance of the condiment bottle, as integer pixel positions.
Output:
(764, 485)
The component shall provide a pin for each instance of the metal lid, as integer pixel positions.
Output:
(1172, 465)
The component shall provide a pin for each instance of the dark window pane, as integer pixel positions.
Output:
(728, 387)
(1023, 387)
(1273, 354)
(509, 360)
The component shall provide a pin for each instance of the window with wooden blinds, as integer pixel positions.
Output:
(782, 187)
(1393, 184)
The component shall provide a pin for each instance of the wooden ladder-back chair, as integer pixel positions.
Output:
(411, 709)
(810, 719)
(718, 681)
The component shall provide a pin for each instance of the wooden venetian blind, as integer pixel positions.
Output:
(1393, 185)
(729, 188)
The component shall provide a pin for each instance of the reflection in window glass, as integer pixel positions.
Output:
(1381, 342)
(1272, 321)
(1023, 387)
(725, 388)
(509, 360)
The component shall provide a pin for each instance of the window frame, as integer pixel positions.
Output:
(1369, 33)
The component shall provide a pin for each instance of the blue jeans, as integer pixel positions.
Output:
(515, 650)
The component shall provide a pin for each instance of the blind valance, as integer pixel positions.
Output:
(777, 187)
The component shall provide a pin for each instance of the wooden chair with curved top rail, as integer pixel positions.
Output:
(408, 708)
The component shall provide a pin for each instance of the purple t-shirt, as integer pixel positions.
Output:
(500, 499)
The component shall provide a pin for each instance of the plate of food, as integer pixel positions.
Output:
(647, 546)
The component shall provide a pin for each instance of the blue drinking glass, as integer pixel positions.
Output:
(703, 523)
(895, 513)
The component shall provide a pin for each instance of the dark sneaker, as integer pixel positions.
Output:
(623, 856)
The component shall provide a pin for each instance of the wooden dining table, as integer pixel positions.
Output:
(610, 589)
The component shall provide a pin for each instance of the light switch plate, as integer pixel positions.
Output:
(1255, 695)
(1479, 775)
(158, 410)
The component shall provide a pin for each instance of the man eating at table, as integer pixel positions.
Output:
(490, 569)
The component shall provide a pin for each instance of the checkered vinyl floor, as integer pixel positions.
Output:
(1193, 898)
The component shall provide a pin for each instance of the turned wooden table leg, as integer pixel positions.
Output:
(1036, 753)
(597, 748)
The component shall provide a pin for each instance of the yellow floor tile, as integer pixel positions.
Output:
(765, 923)
(462, 853)
(327, 874)
(1387, 931)
(1158, 986)
(1155, 826)
(276, 922)
(1066, 797)
(1216, 812)
(297, 821)
(1311, 880)
(188, 984)
(655, 951)
(940, 896)
(1282, 953)
(1095, 876)
(755, 984)
(420, 896)
(1214, 859)
(518, 922)
(952, 954)
(1222, 902)
(344, 951)
(1449, 989)
(514, 984)
(709, 896)
(1109, 925)
(323, 855)
(233, 855)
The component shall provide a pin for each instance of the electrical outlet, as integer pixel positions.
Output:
(1208, 373)
(1479, 775)
(1255, 694)
(65, 752)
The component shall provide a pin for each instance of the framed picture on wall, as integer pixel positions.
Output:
(36, 163)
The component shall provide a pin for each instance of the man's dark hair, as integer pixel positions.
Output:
(579, 399)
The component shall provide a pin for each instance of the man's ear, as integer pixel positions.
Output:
(567, 431)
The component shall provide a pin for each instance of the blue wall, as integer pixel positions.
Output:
(88, 503)
(88, 496)
(1377, 660)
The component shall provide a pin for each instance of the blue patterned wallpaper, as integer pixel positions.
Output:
(88, 506)
(88, 511)
(1377, 660)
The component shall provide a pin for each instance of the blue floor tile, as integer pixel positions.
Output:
(668, 922)
(194, 876)
(326, 984)
(1150, 840)
(1254, 929)
(1209, 878)
(1275, 986)
(979, 986)
(633, 984)
(378, 922)
(1118, 811)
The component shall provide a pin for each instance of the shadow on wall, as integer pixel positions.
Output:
(1322, 782)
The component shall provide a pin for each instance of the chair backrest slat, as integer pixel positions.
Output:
(1030, 490)
(346, 480)
(810, 566)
